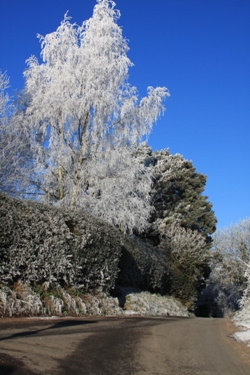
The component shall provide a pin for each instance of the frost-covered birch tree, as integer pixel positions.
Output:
(85, 120)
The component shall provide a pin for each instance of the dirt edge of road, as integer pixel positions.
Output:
(230, 328)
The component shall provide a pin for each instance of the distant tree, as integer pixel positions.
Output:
(243, 315)
(231, 254)
(230, 260)
(85, 120)
(245, 300)
(231, 251)
(233, 243)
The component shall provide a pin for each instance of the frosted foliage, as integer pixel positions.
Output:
(230, 273)
(14, 144)
(85, 119)
(183, 239)
(234, 241)
(242, 317)
(187, 246)
(40, 243)
(245, 301)
(5, 106)
(45, 262)
(232, 248)
(122, 188)
(148, 304)
(6, 147)
(22, 300)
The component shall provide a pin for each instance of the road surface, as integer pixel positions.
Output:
(121, 346)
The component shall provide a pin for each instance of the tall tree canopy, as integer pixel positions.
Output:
(85, 120)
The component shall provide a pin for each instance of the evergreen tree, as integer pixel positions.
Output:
(177, 195)
(182, 221)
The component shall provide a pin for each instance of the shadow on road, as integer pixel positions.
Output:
(58, 325)
(12, 366)
(6, 370)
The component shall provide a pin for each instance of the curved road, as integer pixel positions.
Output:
(121, 346)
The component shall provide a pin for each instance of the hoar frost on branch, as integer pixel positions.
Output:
(245, 300)
(231, 249)
(85, 120)
(228, 283)
(5, 148)
(5, 107)
(14, 149)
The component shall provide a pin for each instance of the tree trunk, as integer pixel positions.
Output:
(60, 172)
(82, 132)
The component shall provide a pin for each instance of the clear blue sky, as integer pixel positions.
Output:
(199, 49)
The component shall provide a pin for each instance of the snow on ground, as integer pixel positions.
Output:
(244, 333)
(242, 320)
(243, 336)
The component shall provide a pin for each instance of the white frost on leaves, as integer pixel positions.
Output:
(230, 256)
(5, 105)
(242, 317)
(24, 301)
(13, 146)
(148, 304)
(186, 245)
(20, 300)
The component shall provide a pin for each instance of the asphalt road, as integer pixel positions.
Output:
(121, 346)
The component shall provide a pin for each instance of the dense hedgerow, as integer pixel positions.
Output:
(42, 244)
